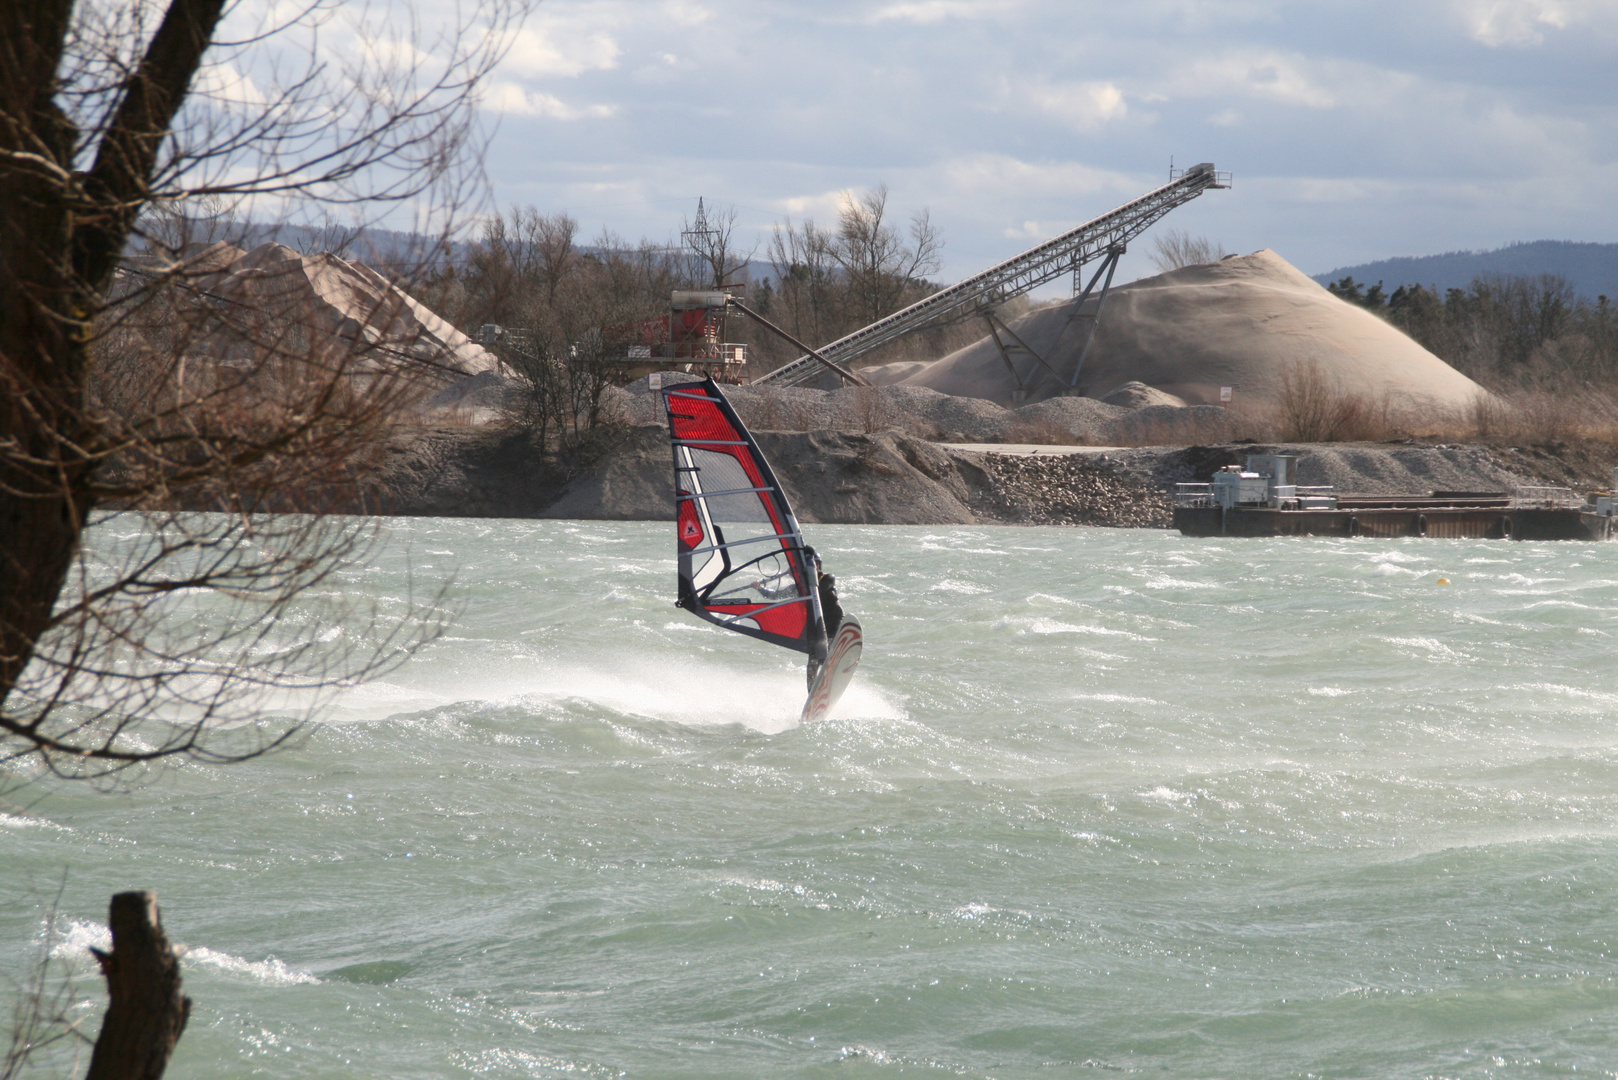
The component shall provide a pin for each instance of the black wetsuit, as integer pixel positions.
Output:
(829, 607)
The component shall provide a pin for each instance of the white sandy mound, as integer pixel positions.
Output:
(1137, 395)
(332, 298)
(1242, 323)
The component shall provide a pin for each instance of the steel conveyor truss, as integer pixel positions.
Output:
(1105, 238)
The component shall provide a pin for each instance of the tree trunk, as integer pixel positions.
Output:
(147, 1011)
(44, 317)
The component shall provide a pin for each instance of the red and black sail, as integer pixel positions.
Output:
(741, 560)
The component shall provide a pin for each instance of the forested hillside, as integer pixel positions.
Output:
(1591, 269)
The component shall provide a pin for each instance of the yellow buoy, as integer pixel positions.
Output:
(1442, 581)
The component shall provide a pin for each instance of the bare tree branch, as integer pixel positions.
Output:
(137, 378)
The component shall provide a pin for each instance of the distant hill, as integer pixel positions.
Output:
(369, 244)
(1592, 269)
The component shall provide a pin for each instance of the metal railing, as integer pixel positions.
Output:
(1200, 495)
(1545, 498)
(1193, 495)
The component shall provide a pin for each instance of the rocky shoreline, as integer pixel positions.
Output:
(894, 478)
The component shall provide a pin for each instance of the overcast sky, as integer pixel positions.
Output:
(1355, 131)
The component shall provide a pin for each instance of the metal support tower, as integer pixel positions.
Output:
(1104, 237)
(1081, 313)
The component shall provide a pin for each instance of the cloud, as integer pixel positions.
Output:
(1286, 79)
(1514, 22)
(688, 14)
(932, 11)
(1066, 110)
(1008, 178)
(561, 46)
(1029, 230)
(513, 100)
(824, 206)
(221, 82)
(1084, 106)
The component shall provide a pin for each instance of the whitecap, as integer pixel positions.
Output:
(1165, 794)
(1163, 581)
(1122, 699)
(959, 587)
(80, 936)
(23, 821)
(270, 970)
(1396, 556)
(854, 584)
(1431, 645)
(1025, 625)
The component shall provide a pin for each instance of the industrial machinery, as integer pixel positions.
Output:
(1105, 238)
(691, 337)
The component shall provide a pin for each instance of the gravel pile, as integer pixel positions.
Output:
(928, 414)
(1074, 420)
(914, 410)
(925, 413)
(1173, 425)
(1070, 490)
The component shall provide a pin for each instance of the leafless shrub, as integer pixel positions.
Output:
(1488, 417)
(798, 414)
(767, 406)
(1313, 407)
(1540, 416)
(873, 409)
(1176, 248)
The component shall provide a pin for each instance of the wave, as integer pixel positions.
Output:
(80, 936)
(692, 691)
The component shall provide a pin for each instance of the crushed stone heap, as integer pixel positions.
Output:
(332, 300)
(1243, 322)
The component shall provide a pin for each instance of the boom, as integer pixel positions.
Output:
(1106, 235)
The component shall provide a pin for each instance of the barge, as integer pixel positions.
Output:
(1263, 499)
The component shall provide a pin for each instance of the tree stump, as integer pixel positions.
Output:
(147, 1012)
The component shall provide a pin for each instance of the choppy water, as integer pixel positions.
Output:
(1098, 800)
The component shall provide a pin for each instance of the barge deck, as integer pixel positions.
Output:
(1261, 500)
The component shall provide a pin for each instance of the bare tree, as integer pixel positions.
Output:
(1176, 248)
(807, 288)
(116, 122)
(830, 282)
(568, 315)
(46, 1019)
(711, 239)
(881, 266)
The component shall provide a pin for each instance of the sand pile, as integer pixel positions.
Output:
(264, 295)
(1243, 323)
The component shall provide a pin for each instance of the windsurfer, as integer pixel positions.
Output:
(826, 584)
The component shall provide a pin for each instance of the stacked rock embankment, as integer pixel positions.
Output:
(1073, 489)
